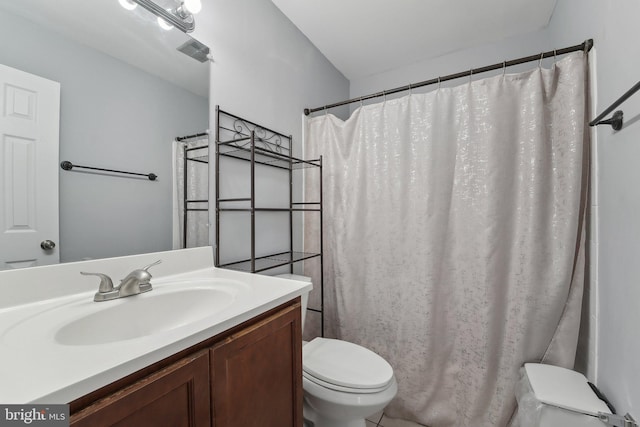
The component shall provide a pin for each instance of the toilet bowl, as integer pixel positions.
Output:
(343, 382)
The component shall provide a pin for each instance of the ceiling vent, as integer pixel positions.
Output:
(195, 49)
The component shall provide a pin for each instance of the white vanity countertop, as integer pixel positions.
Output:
(36, 368)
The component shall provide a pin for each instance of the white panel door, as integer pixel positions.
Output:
(29, 137)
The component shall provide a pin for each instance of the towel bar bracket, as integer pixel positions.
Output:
(613, 420)
(615, 121)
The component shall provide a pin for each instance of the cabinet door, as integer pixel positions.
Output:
(257, 374)
(175, 396)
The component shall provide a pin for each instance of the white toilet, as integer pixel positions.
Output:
(551, 396)
(343, 382)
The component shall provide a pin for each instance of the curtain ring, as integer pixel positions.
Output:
(326, 112)
(470, 75)
(439, 81)
(361, 103)
(410, 90)
(541, 58)
(555, 58)
(504, 68)
(384, 96)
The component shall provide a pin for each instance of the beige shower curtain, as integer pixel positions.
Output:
(455, 236)
(197, 189)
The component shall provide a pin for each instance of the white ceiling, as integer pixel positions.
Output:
(365, 37)
(130, 36)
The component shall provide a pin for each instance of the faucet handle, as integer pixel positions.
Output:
(106, 285)
(137, 281)
(151, 265)
(106, 291)
(142, 274)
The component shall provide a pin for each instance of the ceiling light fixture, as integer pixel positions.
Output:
(127, 4)
(181, 17)
(164, 24)
(193, 6)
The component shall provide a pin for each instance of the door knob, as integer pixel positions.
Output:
(47, 245)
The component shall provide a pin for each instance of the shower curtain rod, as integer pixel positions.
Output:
(585, 46)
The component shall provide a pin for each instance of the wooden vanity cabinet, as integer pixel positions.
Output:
(248, 376)
(257, 375)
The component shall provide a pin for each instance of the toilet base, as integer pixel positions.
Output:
(313, 419)
(331, 423)
(330, 408)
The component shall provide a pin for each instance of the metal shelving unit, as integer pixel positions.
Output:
(243, 140)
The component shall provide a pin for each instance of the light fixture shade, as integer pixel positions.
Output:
(164, 24)
(193, 6)
(127, 4)
(179, 18)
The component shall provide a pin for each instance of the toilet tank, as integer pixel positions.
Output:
(304, 297)
(551, 396)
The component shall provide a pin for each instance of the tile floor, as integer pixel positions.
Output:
(381, 420)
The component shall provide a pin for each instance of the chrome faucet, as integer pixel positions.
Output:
(136, 282)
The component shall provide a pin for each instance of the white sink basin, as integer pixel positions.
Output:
(142, 315)
(83, 322)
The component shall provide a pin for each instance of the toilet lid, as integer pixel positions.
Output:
(563, 388)
(345, 364)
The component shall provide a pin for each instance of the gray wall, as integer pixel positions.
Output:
(453, 63)
(113, 116)
(264, 68)
(614, 27)
(267, 71)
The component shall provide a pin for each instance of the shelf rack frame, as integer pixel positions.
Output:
(241, 139)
